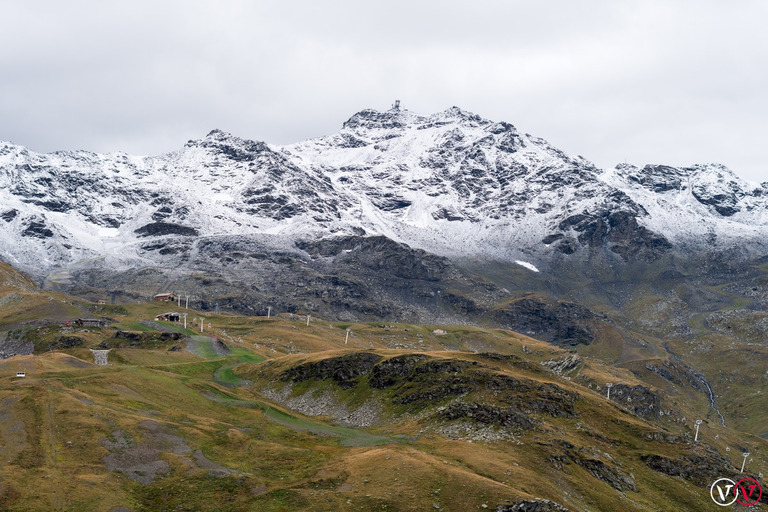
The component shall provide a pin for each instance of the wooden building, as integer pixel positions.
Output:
(169, 317)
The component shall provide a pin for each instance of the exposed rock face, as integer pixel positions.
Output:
(703, 464)
(350, 278)
(507, 417)
(388, 372)
(13, 343)
(67, 342)
(165, 228)
(660, 178)
(566, 364)
(724, 196)
(37, 229)
(532, 506)
(639, 399)
(9, 215)
(618, 230)
(562, 323)
(593, 463)
(343, 369)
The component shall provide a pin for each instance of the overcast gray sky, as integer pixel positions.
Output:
(667, 81)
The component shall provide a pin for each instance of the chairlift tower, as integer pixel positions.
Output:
(744, 463)
(608, 386)
(698, 424)
(396, 105)
(347, 338)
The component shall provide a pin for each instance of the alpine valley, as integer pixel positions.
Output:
(465, 293)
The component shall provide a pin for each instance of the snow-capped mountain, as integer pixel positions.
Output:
(452, 183)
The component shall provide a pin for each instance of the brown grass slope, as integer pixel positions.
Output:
(396, 417)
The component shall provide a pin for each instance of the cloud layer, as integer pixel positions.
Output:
(674, 82)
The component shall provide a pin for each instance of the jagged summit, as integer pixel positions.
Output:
(400, 118)
(370, 119)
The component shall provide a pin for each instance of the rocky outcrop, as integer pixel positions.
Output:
(506, 417)
(562, 323)
(165, 228)
(639, 399)
(566, 364)
(660, 178)
(67, 342)
(391, 371)
(145, 340)
(344, 369)
(703, 464)
(14, 343)
(532, 506)
(567, 453)
(419, 381)
(617, 230)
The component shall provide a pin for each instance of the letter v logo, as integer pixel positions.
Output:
(721, 492)
(724, 491)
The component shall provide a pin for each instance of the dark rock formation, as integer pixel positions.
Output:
(507, 417)
(66, 342)
(165, 228)
(146, 340)
(603, 471)
(389, 372)
(660, 178)
(37, 229)
(703, 464)
(9, 215)
(619, 231)
(419, 381)
(639, 399)
(343, 369)
(562, 323)
(532, 506)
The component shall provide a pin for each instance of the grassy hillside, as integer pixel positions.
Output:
(172, 430)
(257, 414)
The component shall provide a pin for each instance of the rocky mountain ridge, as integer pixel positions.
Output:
(452, 184)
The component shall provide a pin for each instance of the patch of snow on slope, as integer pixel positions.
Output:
(527, 265)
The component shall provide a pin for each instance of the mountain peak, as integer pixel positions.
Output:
(459, 114)
(370, 119)
(233, 147)
(217, 134)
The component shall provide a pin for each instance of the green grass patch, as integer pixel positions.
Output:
(199, 370)
(244, 355)
(133, 326)
(202, 346)
(347, 436)
(224, 375)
